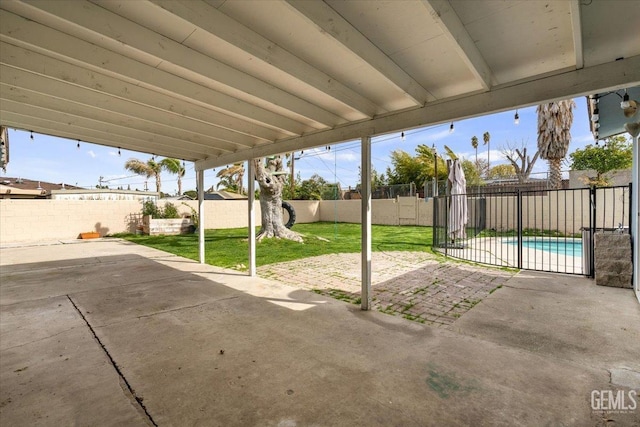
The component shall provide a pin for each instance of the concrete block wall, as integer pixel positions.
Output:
(401, 211)
(565, 211)
(43, 220)
(234, 213)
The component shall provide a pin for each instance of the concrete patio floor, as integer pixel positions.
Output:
(112, 333)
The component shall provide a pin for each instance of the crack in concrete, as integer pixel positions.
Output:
(126, 319)
(41, 339)
(184, 307)
(132, 393)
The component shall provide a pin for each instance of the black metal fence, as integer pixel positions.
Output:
(549, 230)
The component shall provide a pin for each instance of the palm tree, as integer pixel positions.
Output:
(232, 174)
(149, 169)
(227, 183)
(173, 166)
(474, 144)
(487, 138)
(554, 135)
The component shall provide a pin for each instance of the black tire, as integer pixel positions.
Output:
(292, 214)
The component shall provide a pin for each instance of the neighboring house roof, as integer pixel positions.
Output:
(182, 197)
(21, 188)
(29, 184)
(223, 195)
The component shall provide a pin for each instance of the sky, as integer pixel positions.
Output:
(50, 159)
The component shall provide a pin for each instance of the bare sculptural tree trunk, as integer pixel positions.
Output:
(271, 184)
(521, 162)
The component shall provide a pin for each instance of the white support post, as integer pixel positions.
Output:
(200, 184)
(365, 192)
(635, 216)
(252, 218)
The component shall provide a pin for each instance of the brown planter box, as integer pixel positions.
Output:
(92, 235)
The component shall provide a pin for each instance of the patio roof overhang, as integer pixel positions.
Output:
(222, 81)
(218, 81)
(611, 117)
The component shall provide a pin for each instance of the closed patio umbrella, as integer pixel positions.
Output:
(458, 206)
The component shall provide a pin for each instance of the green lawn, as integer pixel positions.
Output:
(228, 248)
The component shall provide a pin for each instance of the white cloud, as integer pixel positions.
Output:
(341, 156)
(434, 137)
(92, 154)
(331, 155)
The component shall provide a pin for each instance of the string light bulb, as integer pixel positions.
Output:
(78, 145)
(596, 115)
(119, 153)
(451, 129)
(402, 137)
(516, 118)
(625, 100)
(31, 135)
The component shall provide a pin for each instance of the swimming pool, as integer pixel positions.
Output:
(560, 246)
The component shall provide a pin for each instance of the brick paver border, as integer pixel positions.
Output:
(415, 285)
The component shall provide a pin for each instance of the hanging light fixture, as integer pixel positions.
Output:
(451, 129)
(78, 146)
(31, 135)
(596, 115)
(632, 109)
(625, 100)
(403, 137)
(119, 154)
(516, 118)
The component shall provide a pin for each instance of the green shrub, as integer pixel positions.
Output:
(149, 207)
(170, 211)
(194, 214)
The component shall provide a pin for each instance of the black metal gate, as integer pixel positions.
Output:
(544, 230)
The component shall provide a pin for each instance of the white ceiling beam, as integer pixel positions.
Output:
(604, 77)
(576, 30)
(30, 34)
(215, 137)
(59, 70)
(45, 127)
(130, 39)
(220, 25)
(331, 22)
(118, 133)
(450, 24)
(194, 142)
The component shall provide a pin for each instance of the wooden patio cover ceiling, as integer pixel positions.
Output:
(218, 81)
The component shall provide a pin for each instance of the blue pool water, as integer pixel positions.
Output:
(559, 246)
